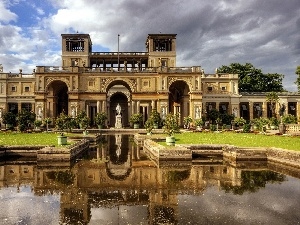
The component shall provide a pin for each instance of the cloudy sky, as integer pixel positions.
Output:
(210, 33)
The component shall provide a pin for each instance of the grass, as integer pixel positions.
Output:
(240, 139)
(15, 138)
(236, 139)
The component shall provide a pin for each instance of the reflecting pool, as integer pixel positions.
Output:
(115, 183)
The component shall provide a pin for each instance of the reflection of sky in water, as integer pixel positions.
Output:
(24, 207)
(274, 204)
(120, 215)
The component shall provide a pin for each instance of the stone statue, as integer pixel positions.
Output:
(235, 112)
(73, 112)
(40, 113)
(118, 109)
(282, 109)
(163, 113)
(197, 113)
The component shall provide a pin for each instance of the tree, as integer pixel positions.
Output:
(252, 79)
(25, 119)
(297, 82)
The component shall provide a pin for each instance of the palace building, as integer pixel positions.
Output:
(138, 81)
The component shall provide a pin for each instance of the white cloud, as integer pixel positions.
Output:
(5, 14)
(209, 34)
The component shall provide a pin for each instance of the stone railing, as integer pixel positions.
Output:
(292, 128)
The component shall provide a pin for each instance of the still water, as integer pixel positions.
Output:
(116, 184)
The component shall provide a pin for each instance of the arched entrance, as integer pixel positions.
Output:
(179, 99)
(57, 98)
(118, 92)
(121, 99)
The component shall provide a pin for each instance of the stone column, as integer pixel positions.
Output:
(298, 109)
(104, 106)
(264, 109)
(152, 105)
(128, 113)
(217, 105)
(132, 107)
(108, 113)
(137, 106)
(87, 110)
(251, 110)
(98, 107)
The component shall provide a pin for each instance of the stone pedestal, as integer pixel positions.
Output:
(118, 123)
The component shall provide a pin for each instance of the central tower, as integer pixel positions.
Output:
(162, 50)
(76, 49)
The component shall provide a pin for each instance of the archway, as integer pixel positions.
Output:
(179, 99)
(121, 99)
(57, 98)
(118, 92)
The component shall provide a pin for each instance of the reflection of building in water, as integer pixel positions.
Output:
(15, 175)
(90, 185)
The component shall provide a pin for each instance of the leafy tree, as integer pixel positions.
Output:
(297, 82)
(25, 119)
(252, 79)
(65, 122)
(10, 119)
(213, 115)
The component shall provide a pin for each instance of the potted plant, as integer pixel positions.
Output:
(239, 121)
(84, 124)
(199, 123)
(82, 120)
(37, 124)
(100, 119)
(273, 123)
(155, 118)
(171, 126)
(256, 124)
(61, 139)
(186, 122)
(47, 121)
(289, 119)
(136, 119)
(149, 125)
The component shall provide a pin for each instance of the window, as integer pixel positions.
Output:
(209, 88)
(223, 88)
(14, 88)
(91, 83)
(27, 89)
(146, 84)
(26, 106)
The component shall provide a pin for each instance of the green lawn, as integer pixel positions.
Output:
(240, 139)
(15, 138)
(237, 139)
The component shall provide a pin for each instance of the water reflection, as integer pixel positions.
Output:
(117, 184)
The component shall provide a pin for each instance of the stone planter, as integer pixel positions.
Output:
(136, 126)
(170, 140)
(61, 140)
(282, 128)
(155, 126)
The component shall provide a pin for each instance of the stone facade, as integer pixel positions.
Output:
(138, 81)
